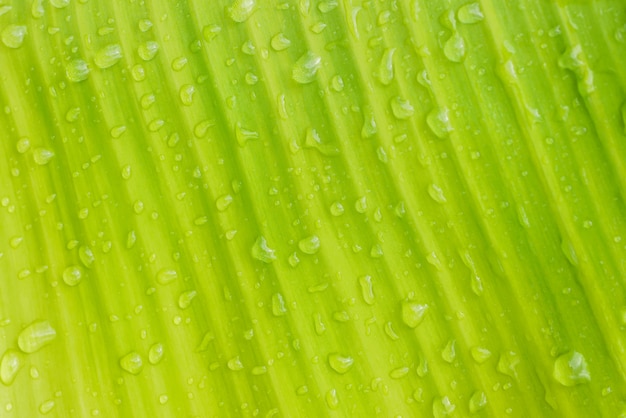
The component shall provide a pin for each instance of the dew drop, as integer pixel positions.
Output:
(77, 70)
(480, 354)
(280, 42)
(327, 6)
(132, 363)
(369, 128)
(155, 353)
(148, 50)
(385, 68)
(22, 145)
(439, 122)
(211, 31)
(448, 354)
(340, 363)
(186, 94)
(179, 63)
(507, 364)
(361, 204)
(10, 365)
(202, 128)
(401, 108)
(166, 276)
(223, 202)
(454, 48)
(570, 369)
(244, 135)
(262, 252)
(332, 400)
(367, 289)
(306, 67)
(318, 324)
(443, 407)
(313, 140)
(108, 56)
(336, 83)
(477, 402)
(278, 305)
(413, 313)
(309, 245)
(144, 25)
(399, 373)
(13, 36)
(60, 4)
(436, 193)
(73, 275)
(336, 209)
(470, 13)
(36, 9)
(240, 10)
(138, 73)
(235, 364)
(35, 336)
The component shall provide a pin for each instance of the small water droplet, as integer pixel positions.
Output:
(155, 353)
(306, 67)
(241, 10)
(443, 407)
(13, 35)
(385, 68)
(202, 128)
(262, 252)
(211, 31)
(35, 336)
(144, 25)
(235, 364)
(336, 209)
(185, 298)
(309, 245)
(336, 83)
(186, 94)
(108, 56)
(476, 284)
(439, 122)
(36, 9)
(401, 108)
(570, 252)
(332, 400)
(413, 313)
(244, 135)
(436, 193)
(278, 305)
(138, 73)
(117, 131)
(73, 275)
(280, 42)
(148, 50)
(470, 13)
(313, 140)
(22, 145)
(132, 363)
(570, 369)
(448, 354)
(46, 406)
(507, 364)
(422, 367)
(361, 204)
(60, 4)
(77, 70)
(340, 363)
(454, 48)
(367, 289)
(318, 324)
(478, 401)
(10, 365)
(248, 48)
(166, 276)
(223, 202)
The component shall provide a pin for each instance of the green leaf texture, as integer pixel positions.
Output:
(312, 208)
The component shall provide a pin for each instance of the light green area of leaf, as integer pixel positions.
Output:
(312, 208)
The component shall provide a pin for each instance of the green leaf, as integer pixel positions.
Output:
(324, 208)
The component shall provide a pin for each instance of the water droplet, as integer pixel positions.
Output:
(309, 245)
(477, 402)
(574, 60)
(435, 192)
(454, 49)
(148, 50)
(570, 369)
(223, 202)
(35, 336)
(361, 204)
(306, 67)
(448, 354)
(336, 209)
(139, 74)
(278, 305)
(144, 25)
(46, 406)
(60, 4)
(235, 364)
(262, 252)
(244, 135)
(22, 145)
(313, 140)
(73, 275)
(327, 6)
(369, 128)
(179, 63)
(279, 42)
(36, 9)
(443, 407)
(413, 313)
(202, 128)
(185, 298)
(186, 94)
(248, 48)
(339, 363)
(132, 362)
(507, 363)
(367, 289)
(72, 114)
(77, 70)
(336, 83)
(166, 276)
(570, 252)
(10, 365)
(470, 13)
(439, 122)
(13, 35)
(241, 10)
(211, 31)
(318, 324)
(331, 399)
(480, 354)
(385, 68)
(401, 108)
(117, 131)
(108, 56)
(155, 353)
(422, 367)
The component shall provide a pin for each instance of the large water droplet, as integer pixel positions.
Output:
(245, 135)
(235, 364)
(13, 35)
(507, 364)
(185, 298)
(470, 13)
(570, 369)
(448, 354)
(367, 289)
(73, 275)
(443, 407)
(280, 42)
(439, 122)
(262, 252)
(35, 336)
(278, 305)
(77, 70)
(413, 313)
(385, 68)
(454, 49)
(332, 400)
(155, 353)
(436, 193)
(480, 354)
(42, 156)
(85, 254)
(108, 56)
(10, 364)
(309, 245)
(186, 94)
(306, 67)
(166, 276)
(478, 401)
(241, 10)
(132, 362)
(148, 50)
(339, 363)
(401, 108)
